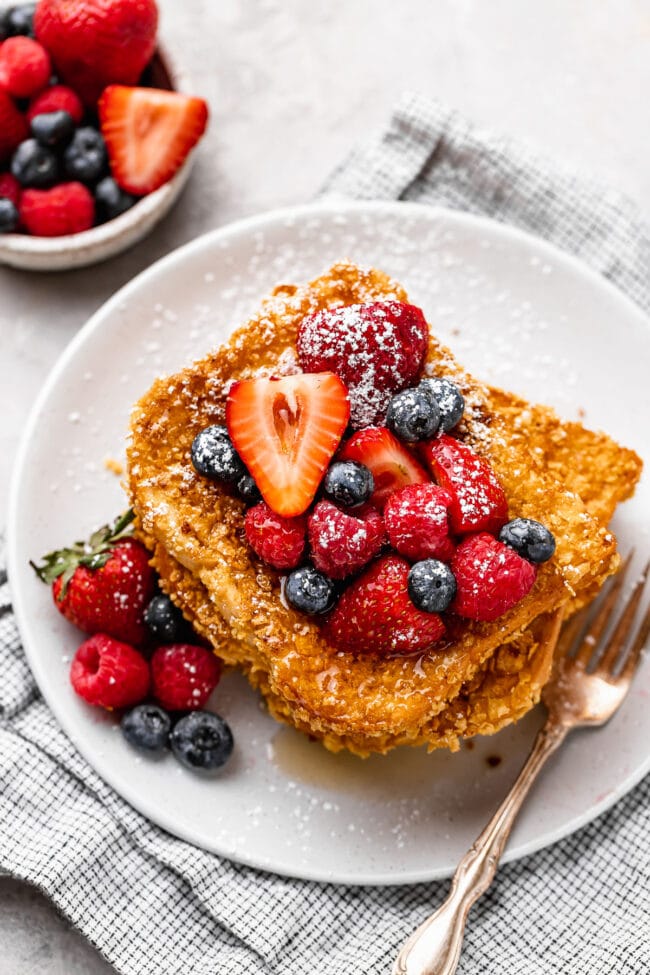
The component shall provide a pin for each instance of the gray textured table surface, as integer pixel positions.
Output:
(292, 86)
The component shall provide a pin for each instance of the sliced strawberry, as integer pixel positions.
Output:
(392, 465)
(149, 133)
(479, 501)
(490, 578)
(376, 615)
(286, 431)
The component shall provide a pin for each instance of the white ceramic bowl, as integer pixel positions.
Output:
(108, 239)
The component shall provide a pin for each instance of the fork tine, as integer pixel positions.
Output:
(623, 627)
(592, 636)
(631, 658)
(570, 631)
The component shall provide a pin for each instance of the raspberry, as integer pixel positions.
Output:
(341, 542)
(417, 524)
(25, 67)
(109, 674)
(278, 541)
(58, 98)
(376, 615)
(13, 126)
(183, 676)
(10, 188)
(490, 577)
(375, 349)
(68, 208)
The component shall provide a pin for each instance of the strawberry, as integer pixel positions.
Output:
(103, 585)
(95, 43)
(343, 542)
(10, 188)
(479, 502)
(58, 98)
(490, 578)
(377, 350)
(286, 431)
(279, 541)
(25, 67)
(417, 524)
(376, 615)
(68, 208)
(13, 126)
(149, 133)
(183, 676)
(391, 464)
(109, 674)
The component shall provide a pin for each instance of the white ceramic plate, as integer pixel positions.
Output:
(517, 313)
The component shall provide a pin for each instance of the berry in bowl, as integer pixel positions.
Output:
(97, 128)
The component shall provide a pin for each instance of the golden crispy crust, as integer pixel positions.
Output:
(195, 530)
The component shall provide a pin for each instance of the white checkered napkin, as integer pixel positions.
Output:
(154, 904)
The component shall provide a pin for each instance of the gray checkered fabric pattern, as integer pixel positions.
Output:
(153, 903)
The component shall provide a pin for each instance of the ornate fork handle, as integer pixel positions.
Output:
(434, 948)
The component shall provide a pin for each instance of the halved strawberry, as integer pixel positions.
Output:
(479, 501)
(149, 133)
(392, 465)
(286, 432)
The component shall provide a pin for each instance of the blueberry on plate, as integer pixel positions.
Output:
(349, 483)
(431, 585)
(310, 591)
(17, 20)
(413, 415)
(202, 740)
(53, 129)
(147, 727)
(534, 542)
(164, 620)
(248, 489)
(449, 398)
(213, 455)
(34, 165)
(111, 199)
(86, 159)
(8, 216)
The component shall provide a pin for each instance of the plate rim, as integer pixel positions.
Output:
(258, 222)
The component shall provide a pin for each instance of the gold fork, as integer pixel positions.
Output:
(587, 687)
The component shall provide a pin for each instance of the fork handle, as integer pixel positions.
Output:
(434, 948)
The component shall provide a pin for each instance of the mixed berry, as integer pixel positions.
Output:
(142, 657)
(82, 138)
(383, 521)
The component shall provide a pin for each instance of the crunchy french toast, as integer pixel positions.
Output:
(485, 674)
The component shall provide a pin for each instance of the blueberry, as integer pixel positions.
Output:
(86, 158)
(34, 165)
(214, 455)
(449, 399)
(349, 483)
(529, 539)
(8, 216)
(248, 489)
(17, 20)
(413, 415)
(111, 199)
(202, 740)
(164, 620)
(431, 585)
(53, 129)
(147, 727)
(310, 591)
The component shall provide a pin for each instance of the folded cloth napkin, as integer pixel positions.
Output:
(153, 903)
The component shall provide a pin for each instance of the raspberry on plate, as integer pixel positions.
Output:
(376, 615)
(478, 499)
(279, 541)
(391, 464)
(25, 67)
(10, 188)
(491, 578)
(108, 673)
(58, 98)
(183, 676)
(13, 126)
(68, 208)
(417, 523)
(376, 349)
(342, 542)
